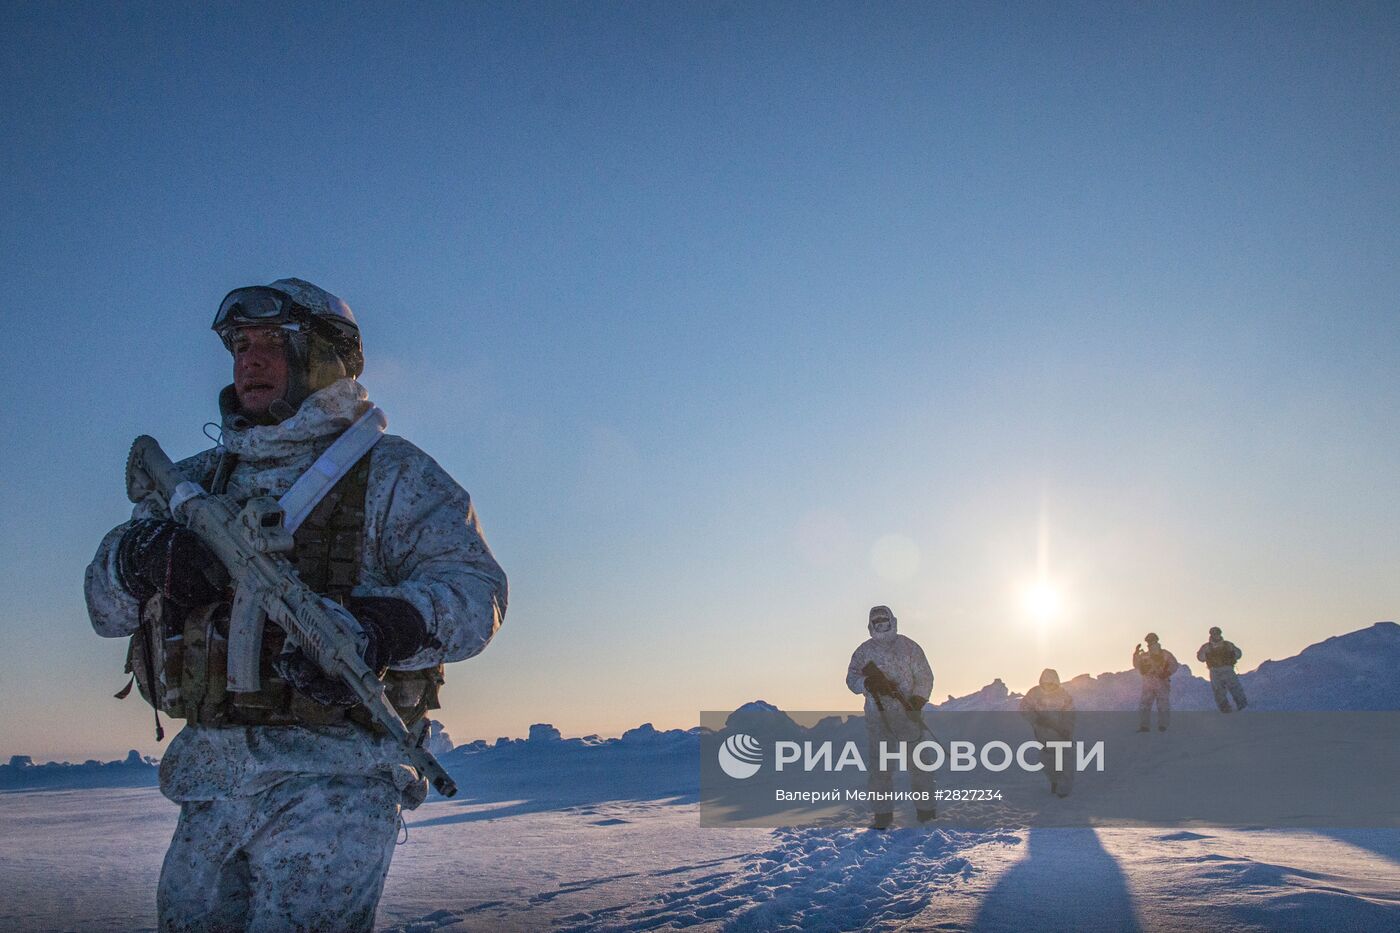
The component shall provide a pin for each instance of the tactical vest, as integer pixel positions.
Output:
(1158, 666)
(1221, 654)
(179, 657)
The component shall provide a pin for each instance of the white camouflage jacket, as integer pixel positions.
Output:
(422, 543)
(899, 657)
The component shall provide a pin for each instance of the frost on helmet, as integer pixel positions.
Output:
(331, 317)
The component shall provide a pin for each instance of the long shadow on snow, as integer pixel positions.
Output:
(1384, 842)
(1065, 881)
(534, 776)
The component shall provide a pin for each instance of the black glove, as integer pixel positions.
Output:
(879, 685)
(161, 556)
(394, 631)
(295, 667)
(876, 683)
(917, 702)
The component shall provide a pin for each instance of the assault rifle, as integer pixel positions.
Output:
(252, 544)
(882, 685)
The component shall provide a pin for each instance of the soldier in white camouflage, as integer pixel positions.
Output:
(289, 796)
(1049, 709)
(892, 672)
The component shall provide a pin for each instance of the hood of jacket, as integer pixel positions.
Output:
(323, 416)
(887, 635)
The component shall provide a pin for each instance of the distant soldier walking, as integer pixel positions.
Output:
(1156, 665)
(1219, 657)
(1049, 709)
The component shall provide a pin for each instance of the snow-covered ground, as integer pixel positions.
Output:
(594, 834)
(88, 860)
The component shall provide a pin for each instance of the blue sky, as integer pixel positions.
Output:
(736, 319)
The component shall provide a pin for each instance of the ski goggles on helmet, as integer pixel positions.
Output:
(256, 304)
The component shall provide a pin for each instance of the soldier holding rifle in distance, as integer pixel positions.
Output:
(1220, 657)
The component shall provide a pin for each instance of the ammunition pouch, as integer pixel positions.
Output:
(179, 657)
(1220, 656)
(179, 660)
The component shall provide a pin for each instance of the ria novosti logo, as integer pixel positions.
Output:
(740, 756)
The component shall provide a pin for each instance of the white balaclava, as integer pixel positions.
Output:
(883, 625)
(1049, 677)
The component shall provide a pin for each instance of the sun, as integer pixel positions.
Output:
(1042, 601)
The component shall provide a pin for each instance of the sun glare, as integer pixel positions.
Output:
(1042, 601)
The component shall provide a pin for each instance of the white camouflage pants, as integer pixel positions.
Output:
(307, 854)
(1061, 779)
(895, 725)
(1159, 691)
(1224, 679)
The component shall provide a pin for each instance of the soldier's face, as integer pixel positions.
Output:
(259, 367)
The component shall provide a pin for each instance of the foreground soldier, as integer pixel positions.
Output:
(1049, 709)
(896, 689)
(289, 800)
(1156, 665)
(1219, 657)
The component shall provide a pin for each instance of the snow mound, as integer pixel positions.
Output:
(994, 696)
(438, 741)
(760, 716)
(1356, 671)
(547, 771)
(23, 774)
(1110, 691)
(544, 732)
(1121, 690)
